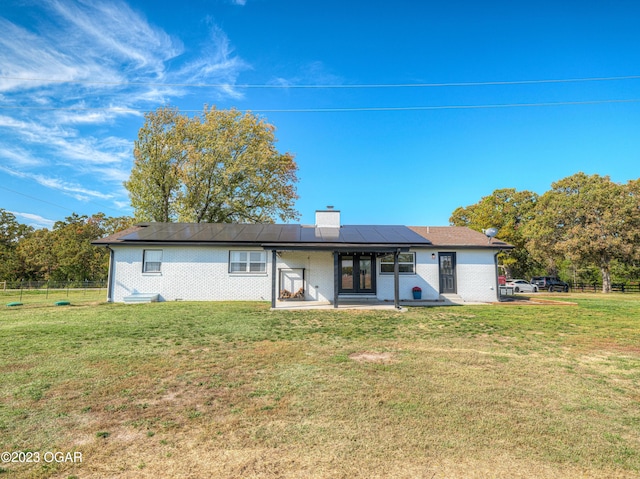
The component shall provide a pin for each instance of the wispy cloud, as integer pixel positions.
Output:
(18, 156)
(34, 220)
(26, 54)
(90, 67)
(33, 131)
(74, 190)
(217, 63)
(89, 51)
(85, 115)
(114, 28)
(312, 73)
(67, 144)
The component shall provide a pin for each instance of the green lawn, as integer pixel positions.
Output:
(230, 390)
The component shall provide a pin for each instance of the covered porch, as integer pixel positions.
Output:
(354, 277)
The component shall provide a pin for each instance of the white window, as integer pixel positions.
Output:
(406, 262)
(247, 262)
(151, 260)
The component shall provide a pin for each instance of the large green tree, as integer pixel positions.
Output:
(65, 252)
(38, 256)
(587, 219)
(11, 233)
(508, 210)
(221, 167)
(155, 178)
(77, 258)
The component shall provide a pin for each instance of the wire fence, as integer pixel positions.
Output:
(17, 293)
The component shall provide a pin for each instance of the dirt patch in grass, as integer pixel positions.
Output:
(526, 301)
(608, 345)
(370, 357)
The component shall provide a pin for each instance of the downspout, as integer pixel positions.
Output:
(336, 279)
(396, 279)
(110, 276)
(274, 259)
(495, 262)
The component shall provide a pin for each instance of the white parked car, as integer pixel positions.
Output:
(522, 286)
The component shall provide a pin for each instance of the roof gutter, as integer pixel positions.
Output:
(387, 248)
(390, 248)
(339, 247)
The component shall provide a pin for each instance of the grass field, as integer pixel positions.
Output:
(233, 390)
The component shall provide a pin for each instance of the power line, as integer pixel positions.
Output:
(355, 109)
(448, 107)
(49, 202)
(328, 86)
(36, 199)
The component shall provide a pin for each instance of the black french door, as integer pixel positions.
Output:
(357, 273)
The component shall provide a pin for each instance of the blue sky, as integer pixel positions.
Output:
(397, 111)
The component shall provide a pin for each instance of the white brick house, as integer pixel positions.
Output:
(323, 262)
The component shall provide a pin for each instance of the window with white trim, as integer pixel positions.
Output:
(247, 261)
(406, 262)
(151, 260)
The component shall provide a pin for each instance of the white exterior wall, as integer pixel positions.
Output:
(476, 275)
(201, 273)
(195, 273)
(426, 276)
(318, 266)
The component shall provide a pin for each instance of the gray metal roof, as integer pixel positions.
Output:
(268, 235)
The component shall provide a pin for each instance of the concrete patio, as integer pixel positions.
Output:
(368, 304)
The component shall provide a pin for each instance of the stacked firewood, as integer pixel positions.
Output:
(286, 294)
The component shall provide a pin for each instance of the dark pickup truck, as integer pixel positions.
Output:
(549, 283)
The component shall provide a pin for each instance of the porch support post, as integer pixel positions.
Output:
(110, 276)
(495, 261)
(396, 279)
(274, 260)
(336, 279)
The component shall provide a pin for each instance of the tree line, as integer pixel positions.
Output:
(62, 253)
(585, 229)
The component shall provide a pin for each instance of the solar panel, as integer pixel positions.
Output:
(290, 233)
(273, 234)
